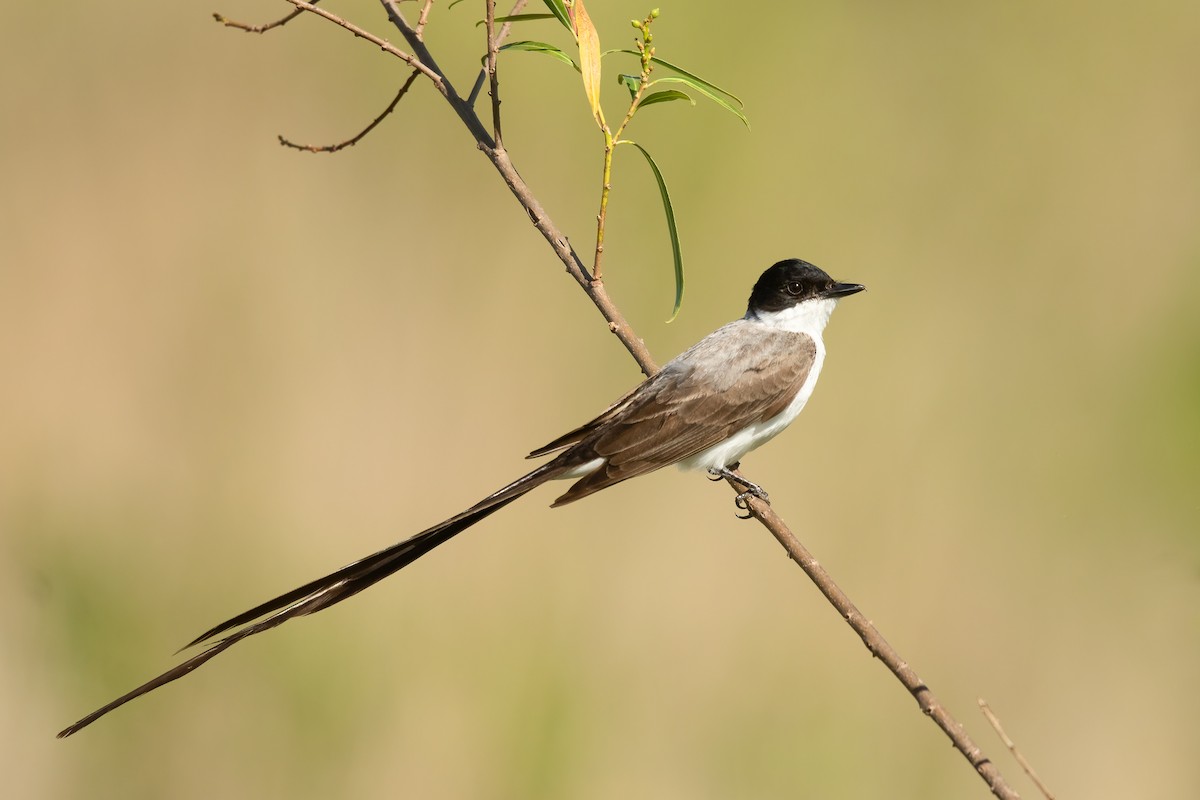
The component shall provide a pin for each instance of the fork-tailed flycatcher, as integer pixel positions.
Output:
(729, 393)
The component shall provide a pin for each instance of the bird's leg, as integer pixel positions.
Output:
(752, 489)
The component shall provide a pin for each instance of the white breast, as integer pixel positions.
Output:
(752, 436)
(808, 318)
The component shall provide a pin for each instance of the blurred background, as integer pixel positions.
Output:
(230, 367)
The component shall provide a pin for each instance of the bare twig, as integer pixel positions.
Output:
(333, 148)
(500, 37)
(476, 87)
(504, 29)
(1012, 747)
(382, 44)
(242, 26)
(493, 79)
(424, 17)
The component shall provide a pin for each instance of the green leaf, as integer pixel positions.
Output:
(676, 254)
(721, 97)
(540, 47)
(680, 70)
(702, 88)
(517, 18)
(560, 13)
(630, 82)
(665, 96)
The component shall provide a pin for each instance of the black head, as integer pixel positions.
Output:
(793, 281)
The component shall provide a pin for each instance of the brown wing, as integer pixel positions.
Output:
(723, 383)
(583, 430)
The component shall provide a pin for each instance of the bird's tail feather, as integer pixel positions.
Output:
(330, 589)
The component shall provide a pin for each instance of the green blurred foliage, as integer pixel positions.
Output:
(230, 367)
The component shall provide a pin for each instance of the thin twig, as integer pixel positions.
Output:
(333, 148)
(493, 79)
(507, 26)
(475, 89)
(424, 17)
(500, 37)
(537, 215)
(1012, 747)
(242, 26)
(443, 84)
(382, 44)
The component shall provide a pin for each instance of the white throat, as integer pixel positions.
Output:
(809, 317)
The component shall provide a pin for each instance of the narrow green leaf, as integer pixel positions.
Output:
(560, 13)
(702, 88)
(540, 47)
(665, 96)
(676, 254)
(712, 87)
(517, 18)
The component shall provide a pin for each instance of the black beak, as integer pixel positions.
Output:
(843, 290)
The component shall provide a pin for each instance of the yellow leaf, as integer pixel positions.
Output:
(589, 58)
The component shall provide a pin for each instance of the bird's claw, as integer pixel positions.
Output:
(741, 502)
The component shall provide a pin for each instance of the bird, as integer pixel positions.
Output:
(729, 393)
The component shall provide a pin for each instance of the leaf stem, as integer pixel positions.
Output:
(611, 140)
(493, 80)
(605, 189)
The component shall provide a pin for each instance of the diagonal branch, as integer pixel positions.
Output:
(879, 646)
(537, 214)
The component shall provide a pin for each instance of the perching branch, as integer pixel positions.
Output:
(423, 62)
(879, 646)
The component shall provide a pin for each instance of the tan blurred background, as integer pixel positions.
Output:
(229, 368)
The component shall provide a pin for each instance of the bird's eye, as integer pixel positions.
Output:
(794, 288)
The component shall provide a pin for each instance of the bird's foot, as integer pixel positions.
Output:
(751, 489)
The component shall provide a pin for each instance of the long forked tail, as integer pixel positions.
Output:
(330, 589)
